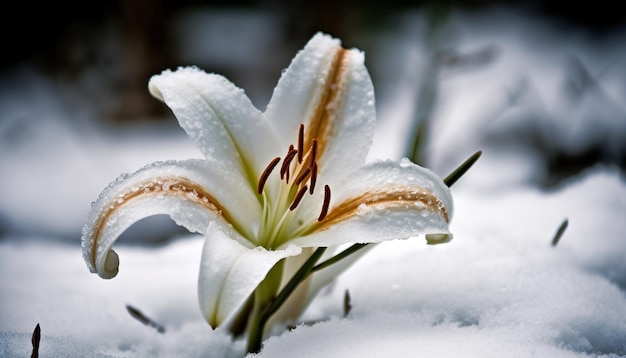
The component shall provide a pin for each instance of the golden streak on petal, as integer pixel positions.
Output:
(319, 126)
(168, 186)
(395, 198)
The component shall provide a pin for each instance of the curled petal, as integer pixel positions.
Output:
(230, 272)
(176, 188)
(385, 201)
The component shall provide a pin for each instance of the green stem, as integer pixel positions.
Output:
(340, 256)
(256, 331)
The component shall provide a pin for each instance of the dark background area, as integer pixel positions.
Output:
(134, 39)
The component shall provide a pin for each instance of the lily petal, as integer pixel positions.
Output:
(179, 189)
(218, 117)
(384, 200)
(230, 272)
(328, 89)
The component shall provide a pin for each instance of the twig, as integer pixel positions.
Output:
(135, 313)
(458, 172)
(559, 232)
(347, 304)
(35, 340)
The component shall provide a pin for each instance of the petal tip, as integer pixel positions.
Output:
(111, 265)
(435, 239)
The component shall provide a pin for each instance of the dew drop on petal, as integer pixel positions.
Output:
(405, 162)
(364, 210)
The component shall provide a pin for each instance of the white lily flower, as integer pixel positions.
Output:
(262, 194)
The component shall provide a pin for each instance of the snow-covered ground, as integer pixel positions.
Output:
(544, 96)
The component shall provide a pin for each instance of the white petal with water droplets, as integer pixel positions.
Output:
(218, 116)
(353, 125)
(344, 90)
(230, 272)
(295, 95)
(363, 211)
(300, 92)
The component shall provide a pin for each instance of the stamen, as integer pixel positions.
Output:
(266, 174)
(298, 198)
(326, 203)
(303, 176)
(300, 143)
(313, 152)
(313, 178)
(284, 169)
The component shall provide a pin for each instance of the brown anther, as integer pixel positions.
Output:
(313, 152)
(326, 203)
(298, 198)
(266, 173)
(313, 178)
(300, 143)
(284, 169)
(303, 176)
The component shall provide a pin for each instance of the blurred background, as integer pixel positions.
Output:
(540, 87)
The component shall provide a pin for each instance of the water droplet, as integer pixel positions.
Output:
(362, 209)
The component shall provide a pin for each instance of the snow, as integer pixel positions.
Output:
(498, 289)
